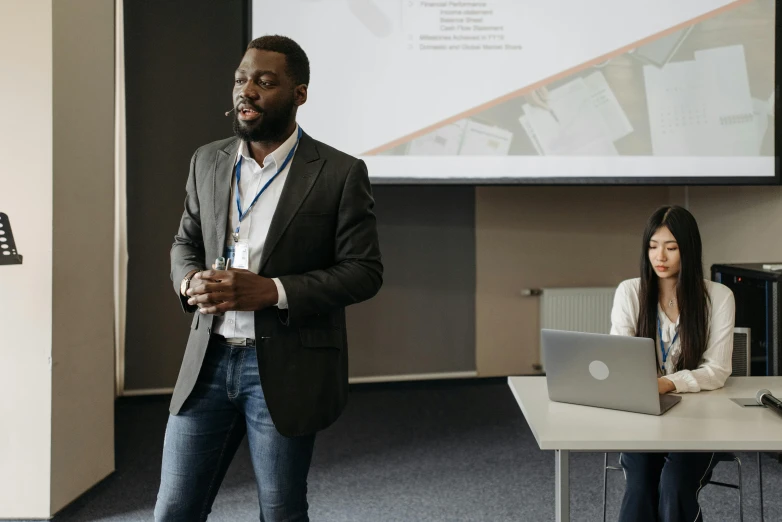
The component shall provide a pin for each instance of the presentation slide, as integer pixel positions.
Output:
(530, 91)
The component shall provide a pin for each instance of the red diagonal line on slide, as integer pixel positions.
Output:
(559, 76)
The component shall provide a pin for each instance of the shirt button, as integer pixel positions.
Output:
(230, 321)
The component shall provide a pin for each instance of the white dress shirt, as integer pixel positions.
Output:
(255, 225)
(716, 364)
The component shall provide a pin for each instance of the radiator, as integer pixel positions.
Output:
(576, 310)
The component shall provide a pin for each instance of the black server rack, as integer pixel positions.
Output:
(758, 307)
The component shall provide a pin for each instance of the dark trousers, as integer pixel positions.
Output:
(664, 486)
(226, 404)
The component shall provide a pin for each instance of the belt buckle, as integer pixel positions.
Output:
(239, 341)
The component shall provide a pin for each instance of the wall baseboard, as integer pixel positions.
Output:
(413, 377)
(147, 391)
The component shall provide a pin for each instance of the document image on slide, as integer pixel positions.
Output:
(698, 93)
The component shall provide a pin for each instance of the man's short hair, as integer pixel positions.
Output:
(298, 64)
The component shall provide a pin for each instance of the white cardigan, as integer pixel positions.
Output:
(716, 365)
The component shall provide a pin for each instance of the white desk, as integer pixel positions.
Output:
(705, 421)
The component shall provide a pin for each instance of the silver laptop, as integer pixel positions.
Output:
(606, 371)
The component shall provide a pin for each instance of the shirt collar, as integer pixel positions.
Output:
(276, 157)
(666, 322)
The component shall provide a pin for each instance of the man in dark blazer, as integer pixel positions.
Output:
(267, 354)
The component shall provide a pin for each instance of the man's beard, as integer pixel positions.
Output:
(271, 127)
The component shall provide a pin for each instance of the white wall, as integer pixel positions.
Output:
(82, 448)
(25, 290)
(530, 237)
(738, 224)
(536, 237)
(56, 309)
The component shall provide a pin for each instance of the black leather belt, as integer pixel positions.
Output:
(234, 341)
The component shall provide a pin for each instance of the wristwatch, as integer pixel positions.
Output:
(185, 284)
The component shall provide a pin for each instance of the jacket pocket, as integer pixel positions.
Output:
(196, 319)
(319, 337)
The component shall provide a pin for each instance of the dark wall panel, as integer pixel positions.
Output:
(423, 319)
(179, 61)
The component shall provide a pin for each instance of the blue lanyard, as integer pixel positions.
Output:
(238, 173)
(662, 344)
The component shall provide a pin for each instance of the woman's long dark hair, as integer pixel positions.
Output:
(691, 292)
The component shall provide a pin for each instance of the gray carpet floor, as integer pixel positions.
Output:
(416, 452)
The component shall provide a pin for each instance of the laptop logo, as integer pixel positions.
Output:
(599, 370)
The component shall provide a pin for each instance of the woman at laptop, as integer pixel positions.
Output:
(691, 321)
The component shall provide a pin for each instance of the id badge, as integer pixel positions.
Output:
(238, 254)
(241, 257)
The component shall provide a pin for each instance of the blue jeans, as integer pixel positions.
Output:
(226, 403)
(664, 486)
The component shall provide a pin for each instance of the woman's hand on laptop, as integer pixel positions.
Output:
(665, 385)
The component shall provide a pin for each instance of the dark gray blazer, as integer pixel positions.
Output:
(322, 245)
